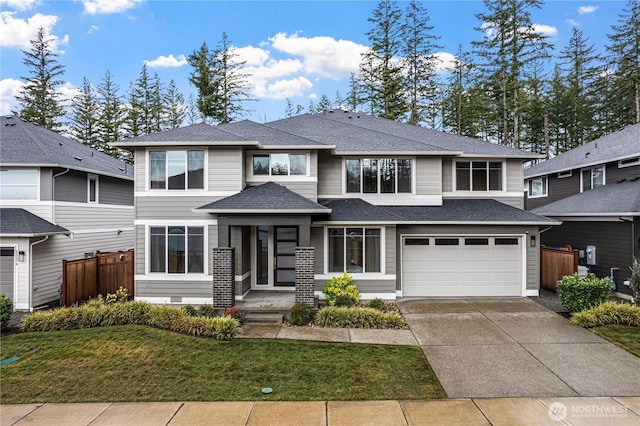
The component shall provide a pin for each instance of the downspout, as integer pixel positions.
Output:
(53, 195)
(31, 270)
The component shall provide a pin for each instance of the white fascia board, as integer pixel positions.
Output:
(67, 166)
(504, 156)
(600, 162)
(399, 153)
(319, 223)
(183, 143)
(301, 147)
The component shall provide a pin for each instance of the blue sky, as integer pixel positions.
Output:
(293, 49)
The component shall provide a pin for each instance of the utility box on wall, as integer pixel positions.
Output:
(591, 255)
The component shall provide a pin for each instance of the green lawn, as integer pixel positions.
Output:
(137, 363)
(625, 336)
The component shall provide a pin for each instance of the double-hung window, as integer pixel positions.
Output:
(538, 187)
(19, 184)
(592, 178)
(176, 169)
(354, 250)
(378, 175)
(280, 164)
(478, 176)
(176, 249)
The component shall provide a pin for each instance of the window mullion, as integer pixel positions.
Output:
(166, 249)
(364, 250)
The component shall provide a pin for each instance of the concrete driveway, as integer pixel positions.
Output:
(513, 347)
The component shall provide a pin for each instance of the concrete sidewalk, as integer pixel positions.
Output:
(506, 411)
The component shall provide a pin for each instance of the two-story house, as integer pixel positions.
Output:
(595, 191)
(59, 200)
(407, 211)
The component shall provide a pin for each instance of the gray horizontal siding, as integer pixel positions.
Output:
(390, 250)
(46, 184)
(557, 189)
(140, 170)
(613, 173)
(306, 189)
(115, 191)
(366, 286)
(317, 241)
(174, 288)
(225, 169)
(515, 176)
(71, 186)
(329, 174)
(428, 175)
(447, 174)
(171, 208)
(83, 216)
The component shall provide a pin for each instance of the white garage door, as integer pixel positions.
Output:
(462, 266)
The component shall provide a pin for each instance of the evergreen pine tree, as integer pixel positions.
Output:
(175, 109)
(85, 113)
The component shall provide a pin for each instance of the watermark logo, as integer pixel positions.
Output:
(557, 411)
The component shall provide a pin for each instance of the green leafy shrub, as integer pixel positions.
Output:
(207, 311)
(608, 313)
(120, 296)
(340, 292)
(190, 310)
(141, 313)
(378, 304)
(635, 281)
(6, 309)
(301, 314)
(355, 317)
(577, 294)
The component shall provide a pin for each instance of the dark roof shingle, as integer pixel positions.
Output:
(22, 223)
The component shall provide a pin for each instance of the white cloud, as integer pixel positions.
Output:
(15, 32)
(446, 61)
(582, 10)
(93, 29)
(252, 56)
(321, 55)
(282, 89)
(18, 4)
(167, 61)
(9, 88)
(543, 29)
(573, 22)
(98, 7)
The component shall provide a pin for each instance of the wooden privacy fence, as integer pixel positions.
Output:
(555, 263)
(104, 273)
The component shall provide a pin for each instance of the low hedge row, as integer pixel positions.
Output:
(608, 313)
(141, 313)
(356, 317)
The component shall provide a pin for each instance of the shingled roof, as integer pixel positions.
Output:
(612, 147)
(192, 135)
(16, 222)
(24, 143)
(269, 197)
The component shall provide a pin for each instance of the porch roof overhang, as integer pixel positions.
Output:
(16, 222)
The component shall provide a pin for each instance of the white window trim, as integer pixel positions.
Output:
(367, 194)
(147, 242)
(545, 191)
(628, 162)
(590, 170)
(95, 178)
(565, 174)
(276, 177)
(147, 170)
(38, 177)
(488, 191)
(361, 274)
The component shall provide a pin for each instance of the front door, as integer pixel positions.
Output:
(286, 240)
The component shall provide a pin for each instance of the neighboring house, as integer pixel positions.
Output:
(59, 200)
(595, 191)
(407, 211)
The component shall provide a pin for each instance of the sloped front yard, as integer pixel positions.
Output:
(138, 363)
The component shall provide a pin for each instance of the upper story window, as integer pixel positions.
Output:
(378, 175)
(92, 188)
(176, 249)
(354, 250)
(478, 176)
(538, 187)
(565, 174)
(279, 164)
(19, 184)
(592, 178)
(175, 170)
(628, 162)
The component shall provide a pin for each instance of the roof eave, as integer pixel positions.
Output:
(396, 153)
(592, 214)
(143, 144)
(35, 234)
(67, 166)
(578, 166)
(281, 147)
(262, 211)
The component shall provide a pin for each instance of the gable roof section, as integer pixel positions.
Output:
(196, 134)
(270, 137)
(429, 137)
(25, 144)
(360, 211)
(620, 198)
(349, 139)
(612, 147)
(22, 223)
(476, 212)
(269, 197)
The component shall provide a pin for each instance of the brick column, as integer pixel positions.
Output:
(224, 286)
(304, 275)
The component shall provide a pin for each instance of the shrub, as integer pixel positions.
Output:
(378, 304)
(207, 311)
(301, 314)
(234, 313)
(340, 292)
(635, 281)
(608, 313)
(355, 317)
(577, 294)
(190, 310)
(120, 296)
(160, 316)
(6, 309)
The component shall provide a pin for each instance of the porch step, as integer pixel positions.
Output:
(263, 318)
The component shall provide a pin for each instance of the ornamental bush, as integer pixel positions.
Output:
(577, 294)
(356, 317)
(635, 281)
(301, 314)
(340, 292)
(6, 309)
(608, 313)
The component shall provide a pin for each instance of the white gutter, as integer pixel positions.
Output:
(31, 270)
(53, 195)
